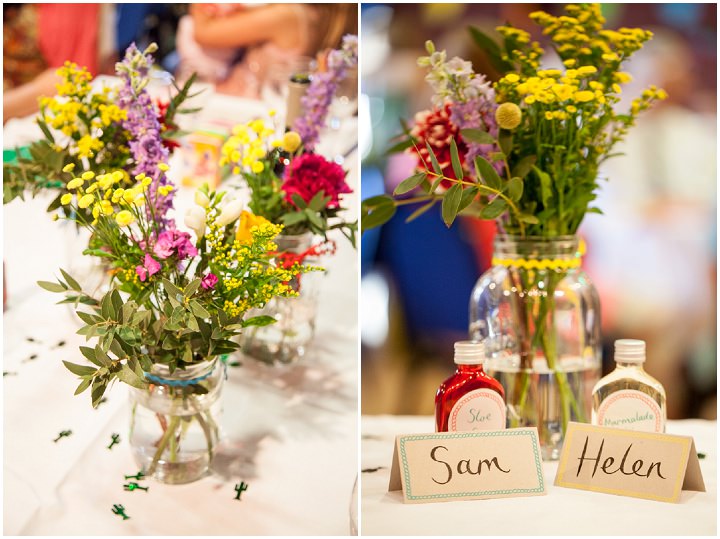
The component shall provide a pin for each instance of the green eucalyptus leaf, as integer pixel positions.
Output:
(455, 160)
(80, 370)
(451, 203)
(505, 141)
(377, 211)
(494, 210)
(515, 189)
(408, 184)
(198, 310)
(69, 280)
(433, 160)
(524, 166)
(468, 196)
(51, 287)
(420, 211)
(479, 136)
(83, 385)
(488, 174)
(126, 374)
(259, 321)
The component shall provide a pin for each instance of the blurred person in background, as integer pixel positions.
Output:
(652, 256)
(39, 38)
(237, 46)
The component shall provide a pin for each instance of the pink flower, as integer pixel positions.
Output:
(163, 246)
(209, 281)
(311, 173)
(150, 268)
(172, 242)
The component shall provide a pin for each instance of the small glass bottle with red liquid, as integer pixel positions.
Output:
(470, 399)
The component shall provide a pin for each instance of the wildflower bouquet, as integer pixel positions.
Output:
(526, 152)
(90, 128)
(527, 149)
(300, 190)
(173, 307)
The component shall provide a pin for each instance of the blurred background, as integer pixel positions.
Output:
(652, 256)
(241, 49)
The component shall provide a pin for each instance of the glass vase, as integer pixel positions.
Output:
(287, 340)
(539, 315)
(174, 424)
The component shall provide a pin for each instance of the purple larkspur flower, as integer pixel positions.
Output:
(316, 101)
(142, 122)
(477, 113)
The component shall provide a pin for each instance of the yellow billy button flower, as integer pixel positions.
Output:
(508, 116)
(75, 183)
(66, 199)
(129, 195)
(257, 167)
(106, 207)
(85, 201)
(124, 218)
(69, 167)
(291, 141)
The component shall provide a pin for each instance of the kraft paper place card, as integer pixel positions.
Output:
(628, 463)
(447, 466)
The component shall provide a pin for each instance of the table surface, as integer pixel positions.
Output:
(562, 511)
(290, 432)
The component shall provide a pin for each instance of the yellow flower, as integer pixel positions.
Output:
(570, 62)
(571, 109)
(129, 195)
(623, 77)
(291, 141)
(106, 207)
(247, 222)
(257, 167)
(164, 190)
(584, 96)
(88, 175)
(75, 183)
(164, 167)
(124, 218)
(508, 116)
(85, 201)
(610, 57)
(562, 91)
(69, 167)
(66, 199)
(512, 77)
(586, 70)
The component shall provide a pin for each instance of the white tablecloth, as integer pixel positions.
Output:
(290, 432)
(562, 511)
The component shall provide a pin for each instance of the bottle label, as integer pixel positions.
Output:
(480, 409)
(631, 410)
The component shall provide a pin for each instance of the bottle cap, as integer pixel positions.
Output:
(469, 352)
(629, 351)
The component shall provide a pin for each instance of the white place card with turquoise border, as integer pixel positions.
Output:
(474, 465)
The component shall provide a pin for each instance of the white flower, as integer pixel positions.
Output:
(230, 212)
(201, 199)
(195, 219)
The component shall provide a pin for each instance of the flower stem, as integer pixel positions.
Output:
(169, 433)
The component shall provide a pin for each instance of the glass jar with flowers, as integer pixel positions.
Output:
(173, 307)
(526, 152)
(291, 185)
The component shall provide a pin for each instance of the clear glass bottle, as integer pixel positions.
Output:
(629, 398)
(470, 399)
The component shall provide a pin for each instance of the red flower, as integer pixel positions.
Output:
(435, 128)
(170, 144)
(311, 173)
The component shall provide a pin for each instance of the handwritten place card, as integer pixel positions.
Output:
(628, 463)
(447, 466)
